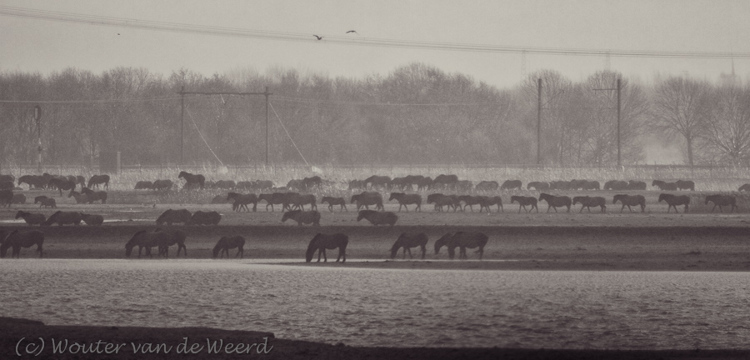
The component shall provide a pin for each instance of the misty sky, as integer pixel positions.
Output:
(38, 45)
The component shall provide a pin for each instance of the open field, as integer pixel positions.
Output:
(654, 240)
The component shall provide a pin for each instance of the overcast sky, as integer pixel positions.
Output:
(38, 45)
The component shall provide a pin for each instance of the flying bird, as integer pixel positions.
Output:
(318, 37)
(351, 31)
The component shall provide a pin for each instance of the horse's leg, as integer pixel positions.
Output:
(320, 251)
(424, 251)
(240, 252)
(481, 252)
(410, 255)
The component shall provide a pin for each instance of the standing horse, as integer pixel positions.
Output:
(407, 199)
(630, 200)
(674, 200)
(242, 200)
(664, 185)
(462, 240)
(174, 216)
(61, 184)
(523, 201)
(368, 198)
(18, 239)
(587, 202)
(511, 185)
(685, 184)
(555, 201)
(302, 217)
(377, 217)
(721, 200)
(334, 201)
(144, 239)
(408, 241)
(93, 220)
(229, 242)
(275, 199)
(192, 179)
(64, 217)
(97, 180)
(321, 242)
(45, 201)
(299, 201)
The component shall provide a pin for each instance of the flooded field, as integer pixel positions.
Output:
(390, 307)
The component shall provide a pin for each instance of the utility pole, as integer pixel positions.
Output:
(38, 119)
(619, 90)
(266, 93)
(182, 125)
(539, 122)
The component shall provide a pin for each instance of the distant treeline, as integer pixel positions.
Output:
(416, 114)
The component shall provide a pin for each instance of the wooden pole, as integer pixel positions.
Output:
(266, 93)
(539, 122)
(182, 125)
(619, 87)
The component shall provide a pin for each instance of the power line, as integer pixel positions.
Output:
(357, 41)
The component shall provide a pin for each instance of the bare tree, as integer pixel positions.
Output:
(681, 107)
(727, 133)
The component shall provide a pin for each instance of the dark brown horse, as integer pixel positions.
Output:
(18, 239)
(407, 199)
(174, 216)
(377, 217)
(276, 199)
(630, 200)
(229, 242)
(662, 185)
(524, 201)
(588, 201)
(175, 236)
(298, 201)
(241, 201)
(145, 239)
(97, 180)
(462, 240)
(31, 218)
(93, 220)
(302, 217)
(61, 184)
(94, 195)
(685, 185)
(368, 198)
(674, 200)
(64, 217)
(555, 201)
(511, 185)
(408, 241)
(334, 201)
(721, 200)
(321, 242)
(45, 201)
(192, 179)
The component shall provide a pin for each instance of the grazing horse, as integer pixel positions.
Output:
(229, 242)
(61, 184)
(174, 216)
(34, 181)
(511, 185)
(462, 240)
(685, 184)
(555, 201)
(275, 199)
(242, 200)
(538, 186)
(144, 185)
(204, 218)
(321, 242)
(368, 198)
(630, 200)
(80, 198)
(18, 239)
(721, 200)
(30, 218)
(162, 185)
(64, 217)
(174, 237)
(636, 185)
(97, 180)
(674, 200)
(192, 179)
(587, 202)
(664, 185)
(95, 195)
(744, 187)
(487, 186)
(334, 201)
(445, 181)
(377, 217)
(144, 239)
(523, 201)
(302, 217)
(93, 220)
(45, 201)
(408, 241)
(407, 199)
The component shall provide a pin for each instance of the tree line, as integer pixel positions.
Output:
(417, 114)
